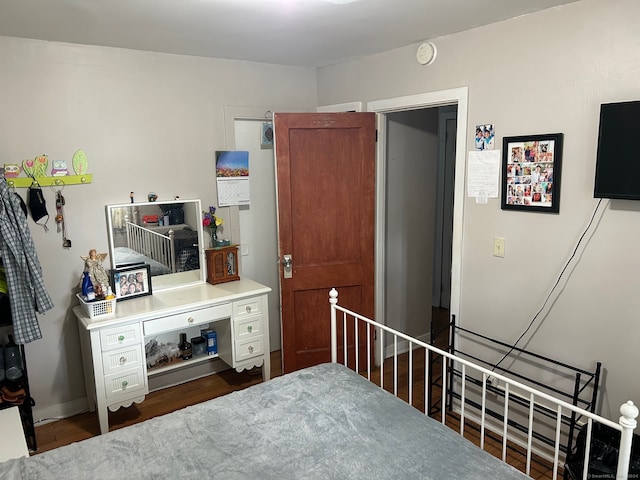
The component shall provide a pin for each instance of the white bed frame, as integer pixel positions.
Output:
(626, 424)
(154, 245)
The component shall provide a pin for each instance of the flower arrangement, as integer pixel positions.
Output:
(212, 222)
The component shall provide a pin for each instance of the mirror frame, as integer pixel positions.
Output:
(172, 280)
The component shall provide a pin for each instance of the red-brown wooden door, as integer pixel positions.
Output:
(325, 169)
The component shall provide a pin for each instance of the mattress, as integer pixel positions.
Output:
(323, 422)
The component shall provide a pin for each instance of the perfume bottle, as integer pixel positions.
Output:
(109, 296)
(186, 351)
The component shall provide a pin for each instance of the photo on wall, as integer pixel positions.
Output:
(266, 140)
(531, 173)
(485, 137)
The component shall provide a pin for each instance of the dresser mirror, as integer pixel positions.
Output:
(165, 235)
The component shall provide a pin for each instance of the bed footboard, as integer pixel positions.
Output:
(154, 245)
(473, 382)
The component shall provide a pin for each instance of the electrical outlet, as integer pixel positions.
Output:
(498, 247)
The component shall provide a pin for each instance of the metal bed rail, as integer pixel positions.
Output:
(582, 379)
(154, 245)
(342, 319)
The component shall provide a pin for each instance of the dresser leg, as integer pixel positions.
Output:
(266, 367)
(103, 418)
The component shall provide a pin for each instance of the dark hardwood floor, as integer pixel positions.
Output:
(80, 427)
(85, 425)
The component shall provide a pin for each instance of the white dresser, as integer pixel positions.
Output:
(113, 348)
(12, 441)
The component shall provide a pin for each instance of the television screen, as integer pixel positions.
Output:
(618, 157)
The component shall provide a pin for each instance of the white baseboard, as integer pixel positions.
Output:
(42, 416)
(403, 346)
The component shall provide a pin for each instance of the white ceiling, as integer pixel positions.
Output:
(310, 33)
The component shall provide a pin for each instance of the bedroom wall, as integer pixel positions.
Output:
(140, 115)
(412, 152)
(148, 122)
(541, 73)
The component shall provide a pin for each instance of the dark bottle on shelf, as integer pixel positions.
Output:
(185, 347)
(1, 363)
(12, 360)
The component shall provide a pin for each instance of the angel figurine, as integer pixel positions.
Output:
(97, 273)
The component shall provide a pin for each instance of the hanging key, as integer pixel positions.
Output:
(59, 214)
(66, 243)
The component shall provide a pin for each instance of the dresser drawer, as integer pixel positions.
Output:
(248, 327)
(123, 383)
(114, 361)
(187, 319)
(250, 306)
(249, 348)
(122, 336)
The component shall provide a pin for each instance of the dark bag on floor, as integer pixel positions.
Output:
(603, 456)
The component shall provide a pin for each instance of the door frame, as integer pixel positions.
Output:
(454, 96)
(341, 107)
(441, 245)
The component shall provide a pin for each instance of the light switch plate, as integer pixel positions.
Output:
(498, 247)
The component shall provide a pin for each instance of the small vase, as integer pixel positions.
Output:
(214, 238)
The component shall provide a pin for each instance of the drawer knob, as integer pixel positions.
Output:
(249, 328)
(124, 384)
(120, 338)
(190, 320)
(250, 349)
(123, 360)
(248, 309)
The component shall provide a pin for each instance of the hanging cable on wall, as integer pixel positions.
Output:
(546, 300)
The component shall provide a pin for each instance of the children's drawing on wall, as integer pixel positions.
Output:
(485, 137)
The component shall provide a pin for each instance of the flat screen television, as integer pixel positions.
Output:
(618, 156)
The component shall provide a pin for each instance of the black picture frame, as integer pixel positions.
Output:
(121, 278)
(531, 168)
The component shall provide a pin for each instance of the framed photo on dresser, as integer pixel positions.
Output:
(131, 282)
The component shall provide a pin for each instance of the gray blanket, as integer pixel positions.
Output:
(324, 422)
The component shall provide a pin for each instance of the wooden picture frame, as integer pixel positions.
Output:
(131, 282)
(531, 166)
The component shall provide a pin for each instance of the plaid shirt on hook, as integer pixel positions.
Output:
(25, 284)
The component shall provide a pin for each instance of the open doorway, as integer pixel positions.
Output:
(419, 216)
(411, 201)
